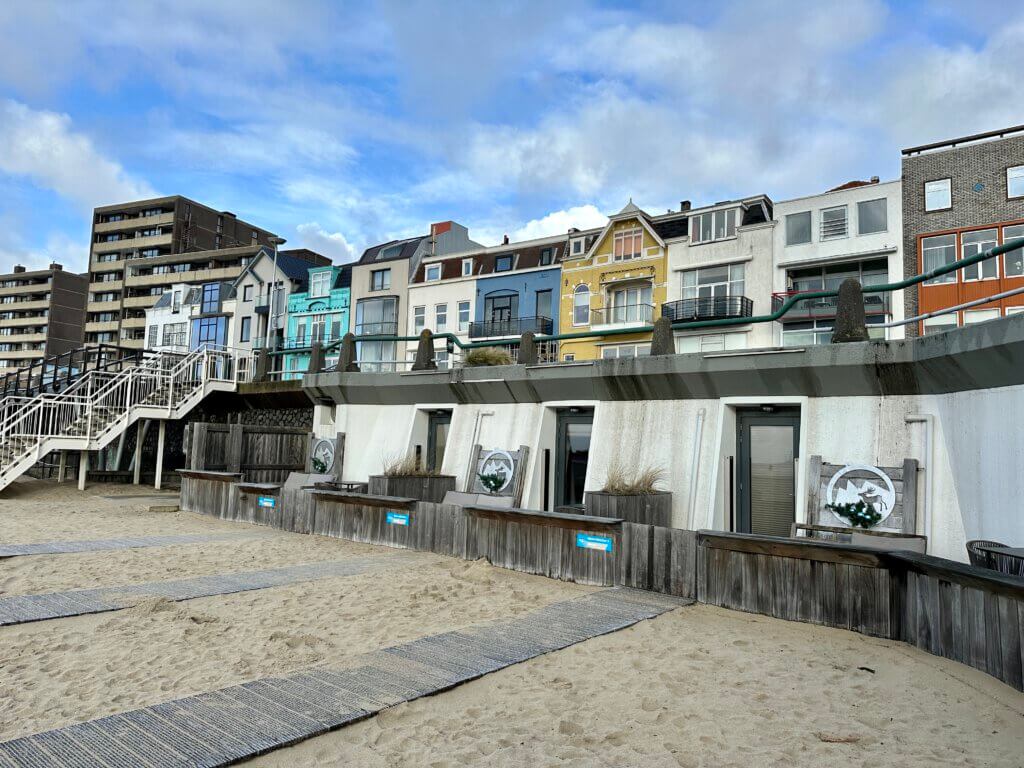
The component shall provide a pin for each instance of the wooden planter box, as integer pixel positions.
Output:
(430, 489)
(648, 509)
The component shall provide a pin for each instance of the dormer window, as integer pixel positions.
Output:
(503, 263)
(433, 272)
(628, 244)
(389, 253)
(467, 267)
(319, 284)
(545, 257)
(577, 247)
(713, 225)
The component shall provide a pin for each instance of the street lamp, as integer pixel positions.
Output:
(274, 241)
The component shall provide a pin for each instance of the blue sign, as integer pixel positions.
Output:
(397, 518)
(593, 541)
(267, 501)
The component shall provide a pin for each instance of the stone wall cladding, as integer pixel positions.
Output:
(299, 418)
(985, 163)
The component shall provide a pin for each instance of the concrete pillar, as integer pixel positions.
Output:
(160, 436)
(83, 468)
(62, 469)
(140, 436)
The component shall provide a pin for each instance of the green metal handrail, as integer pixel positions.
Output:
(724, 321)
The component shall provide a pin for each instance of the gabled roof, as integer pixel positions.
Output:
(407, 250)
(292, 267)
(630, 209)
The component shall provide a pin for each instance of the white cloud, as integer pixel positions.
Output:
(43, 146)
(333, 245)
(559, 222)
(70, 252)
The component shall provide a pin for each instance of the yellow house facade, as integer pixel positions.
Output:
(614, 281)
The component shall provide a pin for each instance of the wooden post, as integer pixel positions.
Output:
(236, 440)
(197, 450)
(83, 468)
(140, 436)
(63, 468)
(160, 436)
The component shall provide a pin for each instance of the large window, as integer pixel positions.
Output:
(1015, 181)
(938, 195)
(376, 316)
(975, 243)
(833, 222)
(726, 280)
(813, 332)
(543, 304)
(501, 309)
(245, 330)
(798, 228)
(319, 284)
(581, 305)
(1014, 260)
(211, 298)
(937, 252)
(463, 315)
(380, 279)
(980, 315)
(631, 304)
(872, 216)
(628, 244)
(829, 278)
(712, 342)
(151, 339)
(714, 225)
(940, 323)
(625, 350)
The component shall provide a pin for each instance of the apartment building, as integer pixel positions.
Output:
(499, 292)
(139, 249)
(42, 314)
(380, 291)
(961, 197)
(320, 314)
(854, 230)
(188, 316)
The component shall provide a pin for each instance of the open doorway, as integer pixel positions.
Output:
(438, 425)
(767, 447)
(572, 453)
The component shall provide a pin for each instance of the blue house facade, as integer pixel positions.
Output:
(321, 313)
(511, 304)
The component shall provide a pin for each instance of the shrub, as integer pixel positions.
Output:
(859, 514)
(488, 356)
(406, 466)
(643, 483)
(493, 482)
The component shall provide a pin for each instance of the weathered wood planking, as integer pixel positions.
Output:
(207, 493)
(261, 454)
(421, 488)
(649, 509)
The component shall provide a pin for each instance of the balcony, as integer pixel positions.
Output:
(376, 329)
(622, 316)
(812, 309)
(304, 342)
(708, 308)
(488, 329)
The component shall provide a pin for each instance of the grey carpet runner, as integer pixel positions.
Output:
(57, 605)
(242, 721)
(100, 545)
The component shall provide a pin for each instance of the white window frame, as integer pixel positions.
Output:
(822, 234)
(577, 246)
(419, 319)
(1015, 172)
(245, 329)
(246, 293)
(465, 317)
(942, 322)
(939, 185)
(734, 286)
(432, 273)
(885, 210)
(467, 267)
(1018, 251)
(441, 317)
(729, 225)
(949, 277)
(635, 350)
(977, 313)
(319, 284)
(577, 292)
(635, 238)
(810, 227)
(980, 267)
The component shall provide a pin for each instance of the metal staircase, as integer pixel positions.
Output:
(101, 404)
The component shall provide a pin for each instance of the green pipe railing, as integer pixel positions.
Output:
(681, 325)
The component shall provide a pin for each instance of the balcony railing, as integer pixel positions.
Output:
(708, 308)
(624, 314)
(874, 304)
(513, 327)
(376, 329)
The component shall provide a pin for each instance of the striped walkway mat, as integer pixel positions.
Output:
(99, 545)
(243, 721)
(57, 605)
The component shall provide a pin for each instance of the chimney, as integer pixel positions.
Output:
(684, 205)
(573, 230)
(874, 179)
(504, 240)
(56, 267)
(18, 269)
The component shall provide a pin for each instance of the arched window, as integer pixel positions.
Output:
(581, 305)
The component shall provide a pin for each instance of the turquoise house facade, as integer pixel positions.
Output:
(321, 313)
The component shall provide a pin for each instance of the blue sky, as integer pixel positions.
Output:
(339, 125)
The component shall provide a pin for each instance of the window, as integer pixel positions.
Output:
(376, 316)
(419, 319)
(712, 342)
(544, 304)
(441, 358)
(147, 253)
(319, 284)
(936, 252)
(813, 332)
(300, 334)
(631, 304)
(577, 247)
(1015, 181)
(103, 257)
(467, 267)
(174, 335)
(1013, 262)
(151, 340)
(211, 298)
(833, 222)
(939, 324)
(463, 315)
(628, 244)
(625, 350)
(937, 195)
(872, 216)
(247, 293)
(714, 225)
(503, 263)
(501, 309)
(546, 256)
(389, 252)
(581, 305)
(245, 329)
(380, 279)
(975, 243)
(441, 317)
(317, 328)
(798, 228)
(433, 272)
(1014, 311)
(709, 282)
(176, 301)
(980, 315)
(569, 358)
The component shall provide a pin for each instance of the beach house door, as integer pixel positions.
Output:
(767, 446)
(572, 453)
(437, 438)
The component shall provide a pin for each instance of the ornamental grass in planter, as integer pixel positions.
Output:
(633, 497)
(406, 478)
(482, 356)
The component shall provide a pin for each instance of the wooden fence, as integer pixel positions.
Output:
(968, 614)
(260, 454)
